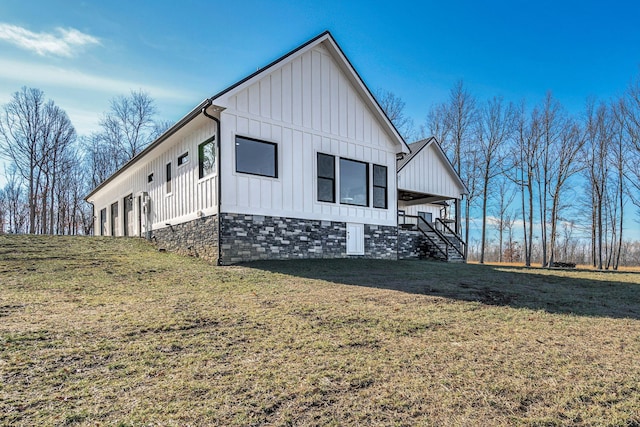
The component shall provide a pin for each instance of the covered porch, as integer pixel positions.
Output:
(441, 211)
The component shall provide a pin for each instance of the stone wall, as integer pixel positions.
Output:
(411, 244)
(256, 237)
(196, 238)
(380, 242)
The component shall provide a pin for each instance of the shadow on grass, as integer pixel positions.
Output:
(583, 293)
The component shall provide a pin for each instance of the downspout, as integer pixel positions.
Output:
(218, 165)
(93, 220)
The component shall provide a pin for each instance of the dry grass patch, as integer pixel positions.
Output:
(100, 331)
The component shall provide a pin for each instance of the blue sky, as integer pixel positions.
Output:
(83, 53)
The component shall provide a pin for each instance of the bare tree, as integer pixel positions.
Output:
(101, 158)
(437, 123)
(525, 152)
(129, 126)
(619, 160)
(494, 128)
(597, 135)
(393, 106)
(461, 114)
(553, 124)
(34, 135)
(20, 128)
(3, 211)
(453, 125)
(57, 136)
(565, 153)
(512, 253)
(15, 206)
(504, 197)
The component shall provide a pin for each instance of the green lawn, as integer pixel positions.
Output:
(102, 331)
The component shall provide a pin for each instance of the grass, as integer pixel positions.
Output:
(100, 331)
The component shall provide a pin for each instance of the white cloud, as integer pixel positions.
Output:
(39, 75)
(64, 42)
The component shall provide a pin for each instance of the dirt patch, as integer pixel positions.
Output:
(494, 297)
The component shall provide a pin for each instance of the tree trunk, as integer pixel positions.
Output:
(484, 216)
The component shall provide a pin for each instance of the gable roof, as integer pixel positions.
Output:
(415, 148)
(418, 146)
(336, 52)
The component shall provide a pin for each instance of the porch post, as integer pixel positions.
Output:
(458, 219)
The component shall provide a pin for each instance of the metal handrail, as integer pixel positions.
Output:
(442, 237)
(458, 238)
(445, 253)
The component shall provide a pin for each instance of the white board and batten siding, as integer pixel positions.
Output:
(306, 105)
(429, 173)
(190, 196)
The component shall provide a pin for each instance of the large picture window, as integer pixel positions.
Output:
(326, 178)
(256, 157)
(379, 186)
(207, 157)
(354, 182)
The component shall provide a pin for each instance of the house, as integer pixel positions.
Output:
(429, 193)
(297, 160)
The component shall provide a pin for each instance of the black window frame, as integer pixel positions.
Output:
(275, 156)
(168, 178)
(114, 214)
(183, 159)
(385, 187)
(366, 174)
(201, 146)
(320, 178)
(103, 221)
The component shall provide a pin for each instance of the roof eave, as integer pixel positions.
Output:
(164, 136)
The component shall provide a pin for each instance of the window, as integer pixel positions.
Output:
(183, 159)
(379, 186)
(354, 182)
(256, 157)
(168, 177)
(103, 222)
(207, 157)
(150, 178)
(114, 219)
(326, 178)
(427, 216)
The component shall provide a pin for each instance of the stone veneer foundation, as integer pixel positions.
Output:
(412, 245)
(196, 238)
(255, 237)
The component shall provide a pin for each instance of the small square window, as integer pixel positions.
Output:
(184, 159)
(150, 178)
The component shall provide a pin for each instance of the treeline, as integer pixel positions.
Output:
(539, 178)
(49, 169)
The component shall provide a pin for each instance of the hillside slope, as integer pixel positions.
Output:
(109, 331)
